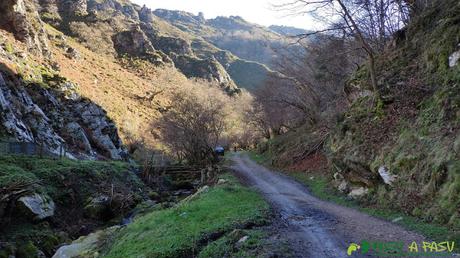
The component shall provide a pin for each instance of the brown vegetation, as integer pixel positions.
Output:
(201, 117)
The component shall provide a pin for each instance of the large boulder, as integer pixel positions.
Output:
(146, 15)
(133, 42)
(78, 136)
(37, 206)
(87, 246)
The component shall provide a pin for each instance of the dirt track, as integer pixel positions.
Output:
(315, 228)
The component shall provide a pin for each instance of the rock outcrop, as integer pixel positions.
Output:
(209, 69)
(37, 206)
(179, 16)
(52, 120)
(78, 7)
(133, 42)
(171, 45)
(87, 246)
(146, 15)
(21, 18)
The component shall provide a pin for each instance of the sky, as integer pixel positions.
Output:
(256, 11)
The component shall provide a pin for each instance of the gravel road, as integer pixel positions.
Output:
(315, 228)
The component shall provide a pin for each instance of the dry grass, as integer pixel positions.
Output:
(125, 93)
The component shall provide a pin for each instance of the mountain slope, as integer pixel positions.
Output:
(250, 49)
(114, 55)
(246, 40)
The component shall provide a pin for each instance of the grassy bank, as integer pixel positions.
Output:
(71, 184)
(319, 185)
(208, 225)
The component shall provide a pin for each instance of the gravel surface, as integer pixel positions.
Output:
(315, 228)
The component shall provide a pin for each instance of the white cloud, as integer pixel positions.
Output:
(255, 11)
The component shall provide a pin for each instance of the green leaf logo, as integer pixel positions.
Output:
(353, 247)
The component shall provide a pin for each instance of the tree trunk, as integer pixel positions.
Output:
(365, 46)
(373, 75)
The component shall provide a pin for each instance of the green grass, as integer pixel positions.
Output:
(320, 187)
(47, 172)
(262, 159)
(257, 244)
(182, 230)
(69, 183)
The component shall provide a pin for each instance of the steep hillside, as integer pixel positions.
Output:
(39, 105)
(414, 134)
(288, 30)
(122, 28)
(249, 48)
(114, 58)
(402, 152)
(246, 40)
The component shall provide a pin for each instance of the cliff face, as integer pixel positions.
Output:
(22, 19)
(47, 110)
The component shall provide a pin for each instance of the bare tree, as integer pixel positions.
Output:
(308, 87)
(195, 122)
(369, 22)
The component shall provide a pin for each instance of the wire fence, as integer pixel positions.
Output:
(29, 149)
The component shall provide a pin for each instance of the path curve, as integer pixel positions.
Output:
(313, 227)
